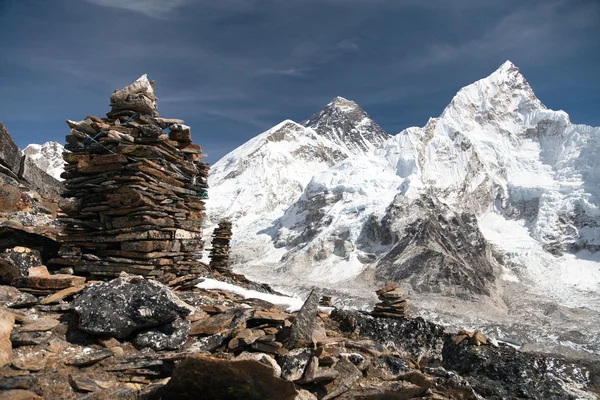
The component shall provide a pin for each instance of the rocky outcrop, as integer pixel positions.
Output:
(124, 305)
(10, 154)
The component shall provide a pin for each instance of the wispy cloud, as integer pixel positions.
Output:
(297, 72)
(151, 8)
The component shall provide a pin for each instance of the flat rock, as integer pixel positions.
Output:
(89, 356)
(207, 344)
(30, 361)
(39, 325)
(83, 384)
(266, 359)
(170, 336)
(29, 338)
(62, 294)
(127, 304)
(19, 394)
(12, 297)
(203, 377)
(55, 282)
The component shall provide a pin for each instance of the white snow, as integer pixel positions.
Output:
(292, 304)
(48, 157)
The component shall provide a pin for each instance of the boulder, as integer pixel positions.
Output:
(305, 322)
(127, 304)
(294, 362)
(202, 377)
(170, 336)
(12, 198)
(21, 258)
(10, 154)
(7, 321)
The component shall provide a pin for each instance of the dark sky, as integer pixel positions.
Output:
(234, 68)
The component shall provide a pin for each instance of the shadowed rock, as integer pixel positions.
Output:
(127, 304)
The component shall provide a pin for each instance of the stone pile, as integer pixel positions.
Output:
(219, 253)
(392, 303)
(134, 192)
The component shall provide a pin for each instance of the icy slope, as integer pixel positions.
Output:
(48, 157)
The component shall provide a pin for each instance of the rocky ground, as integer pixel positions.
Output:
(134, 338)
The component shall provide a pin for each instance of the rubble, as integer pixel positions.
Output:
(135, 187)
(219, 252)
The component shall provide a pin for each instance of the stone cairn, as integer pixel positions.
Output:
(219, 253)
(134, 192)
(392, 303)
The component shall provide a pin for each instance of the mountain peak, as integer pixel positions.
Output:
(343, 104)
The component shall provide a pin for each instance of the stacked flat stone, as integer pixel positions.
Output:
(134, 192)
(219, 253)
(392, 303)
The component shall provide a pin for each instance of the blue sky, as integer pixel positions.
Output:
(234, 68)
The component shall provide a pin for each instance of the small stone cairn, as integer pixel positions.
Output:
(219, 253)
(392, 303)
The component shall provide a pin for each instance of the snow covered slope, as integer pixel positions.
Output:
(495, 198)
(48, 157)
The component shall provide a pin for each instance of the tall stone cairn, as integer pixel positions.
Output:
(219, 253)
(134, 192)
(392, 302)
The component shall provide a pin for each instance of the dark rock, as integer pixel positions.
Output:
(225, 324)
(29, 338)
(12, 297)
(22, 258)
(348, 376)
(135, 364)
(10, 154)
(83, 384)
(202, 377)
(388, 368)
(503, 372)
(39, 238)
(294, 363)
(127, 304)
(88, 357)
(207, 344)
(170, 336)
(305, 322)
(415, 336)
(26, 382)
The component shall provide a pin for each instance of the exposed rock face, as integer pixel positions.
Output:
(10, 154)
(124, 305)
(345, 123)
(201, 377)
(438, 251)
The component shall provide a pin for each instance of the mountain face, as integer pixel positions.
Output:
(48, 157)
(346, 124)
(495, 201)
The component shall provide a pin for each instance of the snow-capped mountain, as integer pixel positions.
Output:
(495, 199)
(346, 124)
(48, 157)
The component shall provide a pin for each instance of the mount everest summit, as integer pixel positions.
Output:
(488, 212)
